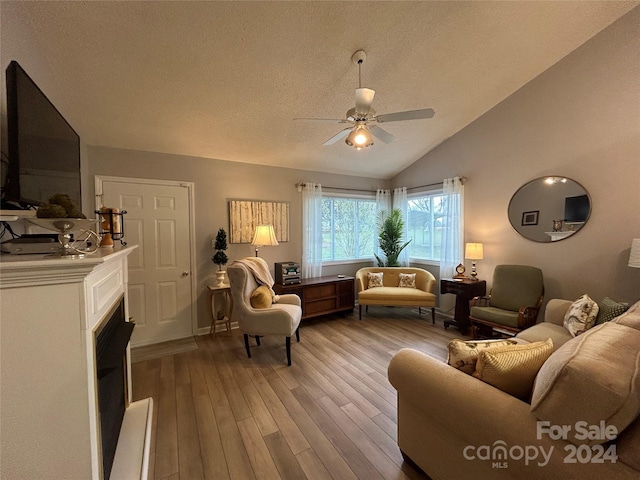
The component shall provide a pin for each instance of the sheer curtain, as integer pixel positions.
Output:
(383, 204)
(311, 230)
(452, 235)
(400, 203)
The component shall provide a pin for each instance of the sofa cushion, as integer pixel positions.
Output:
(581, 315)
(261, 297)
(609, 309)
(375, 280)
(508, 318)
(407, 280)
(513, 368)
(463, 354)
(516, 286)
(394, 296)
(592, 378)
(541, 331)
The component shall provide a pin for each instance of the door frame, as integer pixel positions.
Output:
(100, 179)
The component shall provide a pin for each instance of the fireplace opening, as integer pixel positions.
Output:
(111, 344)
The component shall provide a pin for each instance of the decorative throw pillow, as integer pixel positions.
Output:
(375, 280)
(513, 368)
(463, 354)
(609, 309)
(261, 297)
(581, 315)
(407, 280)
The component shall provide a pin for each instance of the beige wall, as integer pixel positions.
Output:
(580, 119)
(215, 183)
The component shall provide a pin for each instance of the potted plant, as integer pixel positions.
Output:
(220, 258)
(390, 237)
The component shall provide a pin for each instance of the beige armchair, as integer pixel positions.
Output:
(514, 302)
(282, 318)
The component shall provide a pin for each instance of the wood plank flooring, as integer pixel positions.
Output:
(331, 415)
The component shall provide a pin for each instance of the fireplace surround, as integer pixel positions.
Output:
(112, 338)
(53, 312)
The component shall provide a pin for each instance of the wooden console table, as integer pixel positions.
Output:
(464, 289)
(322, 295)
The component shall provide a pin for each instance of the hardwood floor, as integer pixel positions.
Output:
(331, 415)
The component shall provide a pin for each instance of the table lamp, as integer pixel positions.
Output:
(634, 255)
(264, 236)
(473, 252)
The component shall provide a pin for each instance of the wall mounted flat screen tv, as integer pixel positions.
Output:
(44, 150)
(576, 209)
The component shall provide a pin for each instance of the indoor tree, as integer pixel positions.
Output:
(390, 237)
(220, 258)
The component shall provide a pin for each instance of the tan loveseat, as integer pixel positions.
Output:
(453, 425)
(390, 294)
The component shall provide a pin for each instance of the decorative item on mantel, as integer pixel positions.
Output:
(71, 246)
(474, 252)
(220, 258)
(557, 225)
(112, 226)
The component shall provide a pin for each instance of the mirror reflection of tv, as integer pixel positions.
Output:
(576, 209)
(43, 149)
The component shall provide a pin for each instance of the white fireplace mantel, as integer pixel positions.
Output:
(49, 310)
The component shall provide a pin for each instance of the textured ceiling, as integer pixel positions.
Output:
(225, 80)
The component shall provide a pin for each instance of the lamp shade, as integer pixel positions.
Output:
(634, 256)
(264, 236)
(473, 251)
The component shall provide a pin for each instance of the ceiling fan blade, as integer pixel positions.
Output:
(338, 136)
(409, 115)
(381, 134)
(320, 120)
(364, 99)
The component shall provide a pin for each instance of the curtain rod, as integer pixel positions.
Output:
(462, 180)
(299, 186)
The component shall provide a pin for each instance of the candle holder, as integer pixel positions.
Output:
(112, 226)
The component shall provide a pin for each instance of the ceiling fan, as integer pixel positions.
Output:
(363, 119)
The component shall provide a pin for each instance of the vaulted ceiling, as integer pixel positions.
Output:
(225, 80)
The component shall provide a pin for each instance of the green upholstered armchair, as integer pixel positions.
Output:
(513, 304)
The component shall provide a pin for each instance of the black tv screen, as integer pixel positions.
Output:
(44, 150)
(576, 209)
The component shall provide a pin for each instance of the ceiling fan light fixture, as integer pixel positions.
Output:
(359, 137)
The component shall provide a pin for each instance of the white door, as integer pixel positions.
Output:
(159, 221)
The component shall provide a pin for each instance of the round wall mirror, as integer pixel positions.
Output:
(549, 209)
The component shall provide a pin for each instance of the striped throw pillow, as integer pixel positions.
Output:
(513, 368)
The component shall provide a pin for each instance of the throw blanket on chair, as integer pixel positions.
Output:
(260, 270)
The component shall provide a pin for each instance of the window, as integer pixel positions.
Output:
(425, 225)
(348, 228)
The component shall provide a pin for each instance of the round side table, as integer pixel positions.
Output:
(224, 291)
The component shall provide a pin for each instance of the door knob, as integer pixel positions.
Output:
(185, 274)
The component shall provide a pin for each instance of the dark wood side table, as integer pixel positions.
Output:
(464, 289)
(322, 295)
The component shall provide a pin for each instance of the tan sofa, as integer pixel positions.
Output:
(390, 294)
(453, 425)
(552, 326)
